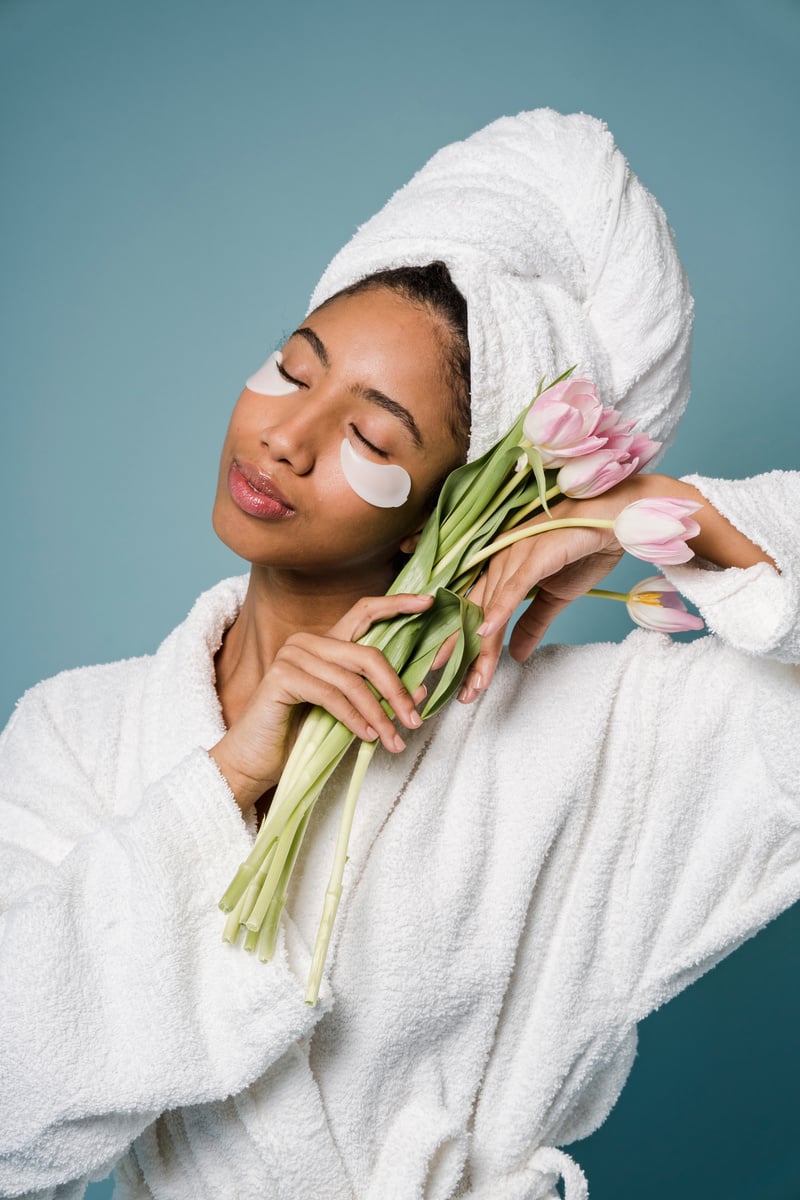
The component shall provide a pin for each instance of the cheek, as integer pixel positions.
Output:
(351, 519)
(246, 417)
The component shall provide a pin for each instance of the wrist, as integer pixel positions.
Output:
(718, 541)
(609, 504)
(246, 790)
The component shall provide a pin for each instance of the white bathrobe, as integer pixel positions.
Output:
(535, 874)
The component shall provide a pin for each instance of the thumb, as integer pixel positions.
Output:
(534, 623)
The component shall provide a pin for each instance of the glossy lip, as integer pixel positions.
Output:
(262, 485)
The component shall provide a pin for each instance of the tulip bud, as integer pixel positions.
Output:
(657, 528)
(654, 603)
(561, 422)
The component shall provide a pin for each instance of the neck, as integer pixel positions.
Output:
(278, 604)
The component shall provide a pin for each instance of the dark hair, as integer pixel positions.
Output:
(432, 287)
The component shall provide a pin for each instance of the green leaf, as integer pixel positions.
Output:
(564, 375)
(440, 621)
(535, 459)
(467, 647)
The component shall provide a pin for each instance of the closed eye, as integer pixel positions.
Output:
(289, 378)
(367, 443)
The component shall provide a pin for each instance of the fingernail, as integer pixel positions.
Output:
(414, 719)
(463, 694)
(420, 693)
(484, 629)
(371, 734)
(476, 681)
(399, 744)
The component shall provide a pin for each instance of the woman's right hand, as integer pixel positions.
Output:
(330, 670)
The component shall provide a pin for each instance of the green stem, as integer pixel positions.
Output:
(527, 509)
(282, 852)
(467, 577)
(308, 778)
(365, 753)
(440, 567)
(623, 596)
(237, 886)
(255, 886)
(315, 728)
(510, 538)
(233, 924)
(269, 929)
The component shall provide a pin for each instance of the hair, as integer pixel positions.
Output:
(431, 287)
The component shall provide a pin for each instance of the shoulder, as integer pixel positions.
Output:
(93, 695)
(76, 712)
(93, 690)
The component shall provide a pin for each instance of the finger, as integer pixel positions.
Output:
(365, 612)
(504, 599)
(445, 651)
(533, 624)
(347, 697)
(518, 574)
(483, 667)
(360, 662)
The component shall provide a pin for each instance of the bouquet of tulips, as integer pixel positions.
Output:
(565, 443)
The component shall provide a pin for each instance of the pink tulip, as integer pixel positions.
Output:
(620, 436)
(594, 473)
(593, 447)
(611, 422)
(643, 448)
(656, 529)
(561, 422)
(570, 429)
(654, 603)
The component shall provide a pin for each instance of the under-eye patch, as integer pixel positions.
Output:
(385, 485)
(268, 380)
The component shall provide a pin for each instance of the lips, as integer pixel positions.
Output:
(255, 492)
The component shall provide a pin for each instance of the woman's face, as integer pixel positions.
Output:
(368, 368)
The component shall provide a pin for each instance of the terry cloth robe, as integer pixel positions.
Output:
(535, 874)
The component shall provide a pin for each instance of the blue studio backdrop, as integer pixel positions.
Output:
(177, 174)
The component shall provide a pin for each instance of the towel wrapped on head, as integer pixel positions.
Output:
(563, 257)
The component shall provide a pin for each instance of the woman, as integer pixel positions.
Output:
(529, 875)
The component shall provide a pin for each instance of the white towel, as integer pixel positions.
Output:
(563, 257)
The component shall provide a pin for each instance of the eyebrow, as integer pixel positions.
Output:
(372, 394)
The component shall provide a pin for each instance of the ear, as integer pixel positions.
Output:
(409, 543)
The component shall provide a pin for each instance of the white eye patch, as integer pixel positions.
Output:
(385, 485)
(268, 380)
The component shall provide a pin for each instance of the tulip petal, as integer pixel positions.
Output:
(657, 528)
(654, 603)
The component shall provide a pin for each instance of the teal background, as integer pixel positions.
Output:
(177, 174)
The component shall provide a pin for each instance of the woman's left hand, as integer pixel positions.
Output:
(563, 563)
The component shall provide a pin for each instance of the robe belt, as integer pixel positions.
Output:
(550, 1159)
(534, 1180)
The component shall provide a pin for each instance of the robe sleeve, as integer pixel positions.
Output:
(715, 839)
(756, 609)
(118, 998)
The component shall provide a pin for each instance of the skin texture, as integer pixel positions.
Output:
(318, 575)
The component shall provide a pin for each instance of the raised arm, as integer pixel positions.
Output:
(565, 563)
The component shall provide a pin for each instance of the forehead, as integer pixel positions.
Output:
(379, 339)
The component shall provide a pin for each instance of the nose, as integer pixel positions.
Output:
(293, 430)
